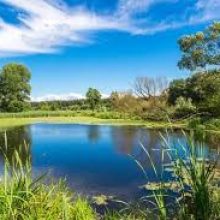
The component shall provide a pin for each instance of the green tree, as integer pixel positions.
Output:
(201, 50)
(114, 98)
(177, 89)
(199, 87)
(93, 97)
(14, 88)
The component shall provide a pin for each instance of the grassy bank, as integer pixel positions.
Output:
(8, 120)
(12, 122)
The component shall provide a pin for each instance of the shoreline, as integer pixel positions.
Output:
(6, 123)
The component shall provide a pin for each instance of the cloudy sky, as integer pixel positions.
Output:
(70, 45)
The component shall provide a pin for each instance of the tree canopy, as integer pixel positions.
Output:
(201, 50)
(93, 97)
(14, 88)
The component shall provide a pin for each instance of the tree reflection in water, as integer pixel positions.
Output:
(17, 139)
(127, 140)
(94, 133)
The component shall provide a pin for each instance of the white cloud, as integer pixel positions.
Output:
(62, 97)
(206, 10)
(48, 25)
(129, 7)
(45, 26)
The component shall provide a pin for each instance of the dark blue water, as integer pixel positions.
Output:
(93, 159)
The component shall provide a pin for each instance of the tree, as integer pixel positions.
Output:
(177, 89)
(124, 102)
(115, 99)
(14, 88)
(93, 97)
(148, 88)
(203, 88)
(201, 50)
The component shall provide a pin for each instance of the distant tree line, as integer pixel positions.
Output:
(71, 105)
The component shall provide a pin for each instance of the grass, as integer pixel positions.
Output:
(195, 178)
(23, 197)
(194, 171)
(87, 117)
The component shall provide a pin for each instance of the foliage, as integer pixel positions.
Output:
(177, 88)
(69, 105)
(14, 88)
(184, 107)
(125, 102)
(201, 50)
(93, 97)
(94, 114)
(194, 123)
(155, 114)
(203, 89)
(213, 124)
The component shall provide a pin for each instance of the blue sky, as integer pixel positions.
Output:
(70, 45)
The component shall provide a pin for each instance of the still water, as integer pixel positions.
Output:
(93, 159)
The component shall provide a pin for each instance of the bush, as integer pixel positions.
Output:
(184, 108)
(194, 123)
(213, 124)
(155, 115)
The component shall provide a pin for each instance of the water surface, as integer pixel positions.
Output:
(93, 159)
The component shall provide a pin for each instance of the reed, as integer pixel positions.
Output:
(23, 197)
(193, 190)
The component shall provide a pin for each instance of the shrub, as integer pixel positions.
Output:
(155, 115)
(184, 108)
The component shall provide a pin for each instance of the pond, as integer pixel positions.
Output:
(93, 159)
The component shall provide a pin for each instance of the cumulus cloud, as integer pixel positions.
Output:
(45, 26)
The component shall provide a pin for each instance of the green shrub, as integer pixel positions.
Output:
(154, 115)
(184, 108)
(213, 124)
(194, 123)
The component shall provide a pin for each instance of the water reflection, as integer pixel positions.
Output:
(124, 139)
(16, 139)
(94, 133)
(68, 150)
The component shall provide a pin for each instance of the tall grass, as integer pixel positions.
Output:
(193, 190)
(23, 197)
(195, 172)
